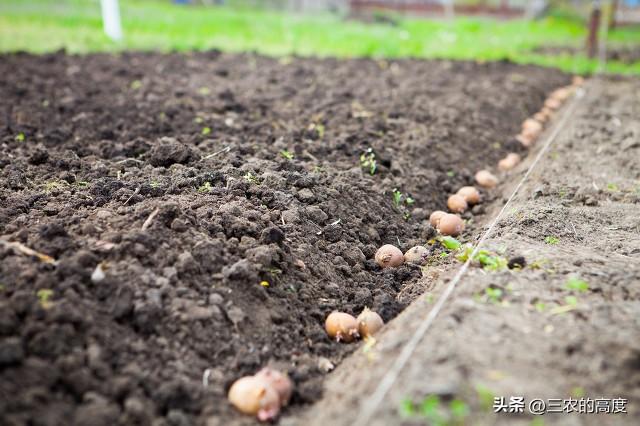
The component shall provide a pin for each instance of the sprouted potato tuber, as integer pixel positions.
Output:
(389, 256)
(255, 396)
(486, 179)
(470, 194)
(342, 327)
(279, 381)
(369, 323)
(457, 204)
(509, 162)
(417, 255)
(451, 224)
(561, 94)
(526, 140)
(531, 128)
(540, 116)
(552, 103)
(435, 217)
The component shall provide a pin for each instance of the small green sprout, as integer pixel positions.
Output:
(82, 184)
(575, 283)
(434, 411)
(612, 187)
(430, 410)
(20, 137)
(286, 154)
(494, 295)
(251, 178)
(204, 91)
(450, 243)
(397, 197)
(368, 161)
(206, 130)
(154, 184)
(577, 392)
(571, 300)
(551, 240)
(205, 187)
(488, 260)
(459, 409)
(198, 120)
(43, 296)
(407, 409)
(136, 84)
(451, 173)
(319, 128)
(540, 306)
(491, 262)
(54, 184)
(485, 397)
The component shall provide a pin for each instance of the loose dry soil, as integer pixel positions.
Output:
(577, 217)
(223, 198)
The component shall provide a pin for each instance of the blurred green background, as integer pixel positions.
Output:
(76, 25)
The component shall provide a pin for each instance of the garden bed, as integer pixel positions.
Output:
(228, 203)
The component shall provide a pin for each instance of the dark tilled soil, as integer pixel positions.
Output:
(168, 173)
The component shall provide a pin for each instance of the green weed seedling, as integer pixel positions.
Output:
(400, 200)
(612, 187)
(551, 240)
(287, 155)
(397, 197)
(368, 161)
(540, 306)
(493, 295)
(251, 178)
(485, 397)
(488, 260)
(205, 187)
(435, 411)
(577, 284)
(44, 296)
(450, 243)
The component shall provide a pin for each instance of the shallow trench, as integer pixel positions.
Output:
(226, 202)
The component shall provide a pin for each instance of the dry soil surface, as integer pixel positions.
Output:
(567, 325)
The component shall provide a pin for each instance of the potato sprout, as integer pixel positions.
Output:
(435, 217)
(255, 396)
(342, 327)
(369, 323)
(416, 255)
(457, 204)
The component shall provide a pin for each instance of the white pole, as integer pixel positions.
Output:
(111, 19)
